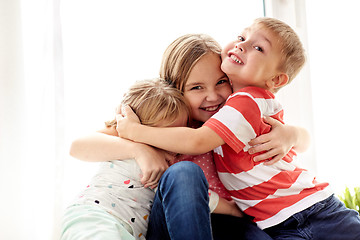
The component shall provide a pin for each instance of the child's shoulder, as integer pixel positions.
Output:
(254, 92)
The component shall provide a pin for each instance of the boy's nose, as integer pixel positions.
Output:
(239, 47)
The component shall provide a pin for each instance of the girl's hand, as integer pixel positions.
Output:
(153, 163)
(277, 143)
(125, 121)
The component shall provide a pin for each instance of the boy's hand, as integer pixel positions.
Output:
(277, 143)
(125, 121)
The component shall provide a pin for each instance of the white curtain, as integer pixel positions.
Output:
(31, 120)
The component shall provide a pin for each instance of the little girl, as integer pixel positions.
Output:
(116, 205)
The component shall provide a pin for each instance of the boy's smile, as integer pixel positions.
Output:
(252, 59)
(235, 58)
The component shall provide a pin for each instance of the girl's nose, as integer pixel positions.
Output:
(212, 96)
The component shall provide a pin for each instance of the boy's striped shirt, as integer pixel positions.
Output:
(270, 194)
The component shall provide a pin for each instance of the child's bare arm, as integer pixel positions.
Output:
(228, 207)
(105, 145)
(100, 147)
(178, 139)
(279, 141)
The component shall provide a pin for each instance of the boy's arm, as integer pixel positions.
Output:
(178, 139)
(278, 142)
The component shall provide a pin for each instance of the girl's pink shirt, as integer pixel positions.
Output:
(206, 163)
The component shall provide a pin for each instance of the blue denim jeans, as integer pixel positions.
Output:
(328, 219)
(180, 210)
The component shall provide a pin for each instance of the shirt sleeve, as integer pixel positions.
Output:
(237, 122)
(213, 200)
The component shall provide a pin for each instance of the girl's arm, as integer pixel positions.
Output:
(228, 207)
(278, 142)
(105, 145)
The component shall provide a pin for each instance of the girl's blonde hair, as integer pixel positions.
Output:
(181, 56)
(155, 102)
(292, 51)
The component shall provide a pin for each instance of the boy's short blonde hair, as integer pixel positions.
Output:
(182, 54)
(154, 101)
(293, 53)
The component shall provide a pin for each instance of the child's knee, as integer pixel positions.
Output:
(186, 171)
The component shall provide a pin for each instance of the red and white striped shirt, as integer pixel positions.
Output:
(270, 194)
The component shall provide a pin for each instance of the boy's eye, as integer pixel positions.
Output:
(259, 49)
(241, 38)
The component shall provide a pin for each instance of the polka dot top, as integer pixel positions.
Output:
(206, 163)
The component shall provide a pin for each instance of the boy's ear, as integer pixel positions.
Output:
(278, 81)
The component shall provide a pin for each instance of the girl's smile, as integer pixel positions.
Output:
(207, 87)
(213, 108)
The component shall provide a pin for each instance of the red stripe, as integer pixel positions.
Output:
(251, 112)
(271, 207)
(283, 180)
(258, 92)
(234, 162)
(227, 135)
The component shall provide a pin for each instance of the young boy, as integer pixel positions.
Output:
(285, 200)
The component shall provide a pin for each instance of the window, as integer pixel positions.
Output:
(323, 98)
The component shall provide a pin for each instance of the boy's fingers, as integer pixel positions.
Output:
(118, 117)
(265, 156)
(272, 161)
(259, 148)
(259, 140)
(118, 109)
(272, 121)
(127, 110)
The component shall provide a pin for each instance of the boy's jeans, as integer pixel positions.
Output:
(328, 219)
(180, 210)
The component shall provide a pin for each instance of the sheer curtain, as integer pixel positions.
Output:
(32, 119)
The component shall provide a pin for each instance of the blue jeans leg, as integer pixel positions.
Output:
(328, 219)
(181, 205)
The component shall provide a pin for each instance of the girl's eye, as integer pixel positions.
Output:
(241, 38)
(222, 81)
(259, 49)
(195, 88)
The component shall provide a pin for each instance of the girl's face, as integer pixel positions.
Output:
(207, 87)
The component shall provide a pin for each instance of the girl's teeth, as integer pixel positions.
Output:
(233, 57)
(211, 108)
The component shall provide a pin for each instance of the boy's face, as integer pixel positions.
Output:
(206, 88)
(252, 59)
